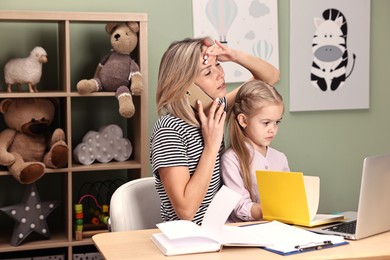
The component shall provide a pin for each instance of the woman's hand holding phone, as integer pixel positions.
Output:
(195, 93)
(212, 124)
(211, 113)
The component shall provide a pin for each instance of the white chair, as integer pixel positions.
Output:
(135, 205)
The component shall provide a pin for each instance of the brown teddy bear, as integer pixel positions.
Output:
(27, 147)
(118, 72)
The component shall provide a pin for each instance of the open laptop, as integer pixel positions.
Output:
(373, 215)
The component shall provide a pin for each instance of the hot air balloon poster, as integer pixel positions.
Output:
(247, 25)
(329, 55)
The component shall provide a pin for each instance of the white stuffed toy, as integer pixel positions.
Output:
(27, 70)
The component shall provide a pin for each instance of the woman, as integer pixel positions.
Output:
(185, 145)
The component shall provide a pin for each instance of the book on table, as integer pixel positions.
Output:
(291, 197)
(185, 237)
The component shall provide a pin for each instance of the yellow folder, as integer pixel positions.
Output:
(292, 198)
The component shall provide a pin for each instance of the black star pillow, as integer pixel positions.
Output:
(30, 215)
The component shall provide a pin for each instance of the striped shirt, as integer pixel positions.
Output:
(176, 143)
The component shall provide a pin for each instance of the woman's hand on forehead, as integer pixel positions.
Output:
(211, 49)
(208, 42)
(218, 50)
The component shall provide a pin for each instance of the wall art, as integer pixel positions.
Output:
(247, 25)
(329, 54)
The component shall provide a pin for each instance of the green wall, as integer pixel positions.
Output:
(329, 144)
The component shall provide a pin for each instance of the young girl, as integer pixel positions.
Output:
(185, 145)
(253, 124)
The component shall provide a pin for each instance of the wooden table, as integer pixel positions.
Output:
(138, 245)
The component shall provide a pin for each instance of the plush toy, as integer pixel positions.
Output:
(27, 146)
(27, 70)
(118, 72)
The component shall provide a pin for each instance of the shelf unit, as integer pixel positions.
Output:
(75, 42)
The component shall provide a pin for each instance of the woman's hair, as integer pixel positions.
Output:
(178, 68)
(251, 98)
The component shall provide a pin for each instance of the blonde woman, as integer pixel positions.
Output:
(253, 124)
(185, 145)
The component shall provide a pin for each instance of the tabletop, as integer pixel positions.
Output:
(137, 244)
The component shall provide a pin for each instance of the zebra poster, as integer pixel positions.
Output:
(329, 54)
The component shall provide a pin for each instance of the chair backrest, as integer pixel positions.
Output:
(135, 205)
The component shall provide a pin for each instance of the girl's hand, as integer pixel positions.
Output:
(212, 125)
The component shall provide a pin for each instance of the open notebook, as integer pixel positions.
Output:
(292, 198)
(180, 237)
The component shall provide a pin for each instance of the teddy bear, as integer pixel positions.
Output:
(27, 145)
(118, 72)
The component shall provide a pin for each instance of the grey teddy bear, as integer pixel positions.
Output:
(118, 72)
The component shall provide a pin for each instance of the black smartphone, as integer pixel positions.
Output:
(195, 93)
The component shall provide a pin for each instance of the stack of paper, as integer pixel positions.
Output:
(285, 239)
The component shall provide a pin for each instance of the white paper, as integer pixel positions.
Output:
(181, 229)
(219, 210)
(284, 238)
(312, 187)
(214, 219)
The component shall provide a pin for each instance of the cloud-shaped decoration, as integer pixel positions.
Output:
(257, 9)
(250, 35)
(106, 145)
(237, 73)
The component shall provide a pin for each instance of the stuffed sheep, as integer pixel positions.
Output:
(27, 70)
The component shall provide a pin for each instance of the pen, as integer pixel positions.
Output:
(325, 244)
(254, 224)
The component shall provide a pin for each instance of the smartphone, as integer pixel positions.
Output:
(195, 93)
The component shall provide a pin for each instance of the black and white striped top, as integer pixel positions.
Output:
(176, 143)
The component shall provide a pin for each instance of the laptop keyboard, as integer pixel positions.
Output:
(345, 227)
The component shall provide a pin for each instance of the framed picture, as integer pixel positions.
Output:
(247, 25)
(329, 54)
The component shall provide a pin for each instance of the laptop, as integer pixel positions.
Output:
(373, 215)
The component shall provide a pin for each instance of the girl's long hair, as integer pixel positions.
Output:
(251, 98)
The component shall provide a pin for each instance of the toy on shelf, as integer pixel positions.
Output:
(118, 72)
(28, 146)
(30, 215)
(92, 218)
(27, 70)
(104, 146)
(98, 222)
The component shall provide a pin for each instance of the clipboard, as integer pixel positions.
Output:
(304, 249)
(286, 239)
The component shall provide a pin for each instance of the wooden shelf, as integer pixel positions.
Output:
(63, 32)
